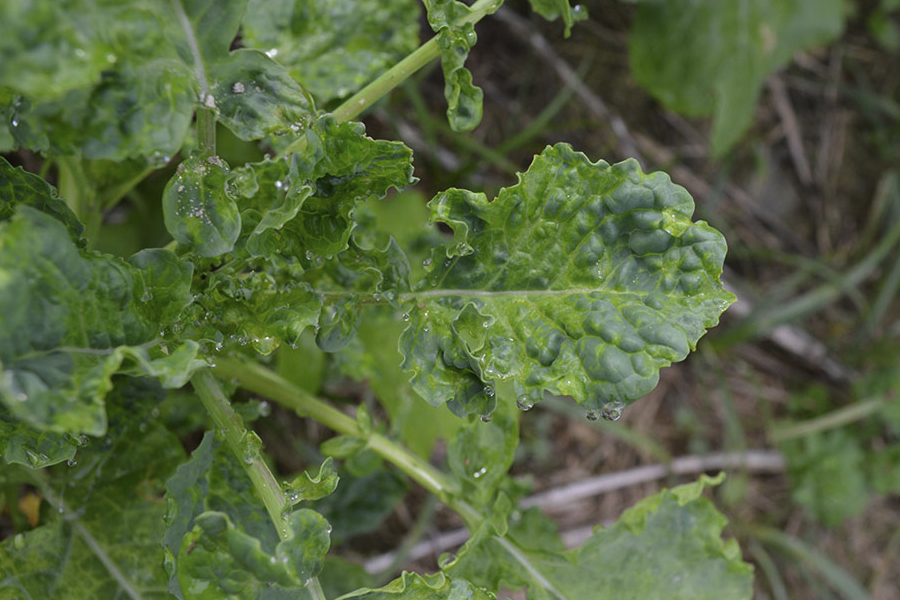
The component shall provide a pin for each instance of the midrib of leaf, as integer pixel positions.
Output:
(190, 36)
(40, 481)
(532, 570)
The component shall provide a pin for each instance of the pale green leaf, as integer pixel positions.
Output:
(553, 9)
(668, 546)
(711, 58)
(333, 48)
(306, 486)
(584, 279)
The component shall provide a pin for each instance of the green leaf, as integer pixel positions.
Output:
(198, 211)
(255, 96)
(333, 48)
(23, 444)
(828, 475)
(666, 546)
(308, 487)
(104, 543)
(19, 187)
(451, 20)
(584, 279)
(412, 586)
(219, 541)
(553, 9)
(708, 58)
(73, 317)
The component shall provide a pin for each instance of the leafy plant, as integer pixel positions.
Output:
(582, 279)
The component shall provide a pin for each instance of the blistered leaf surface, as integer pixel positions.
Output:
(711, 58)
(584, 279)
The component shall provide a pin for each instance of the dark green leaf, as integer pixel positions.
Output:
(18, 186)
(708, 58)
(71, 317)
(255, 96)
(334, 47)
(198, 211)
(584, 279)
(360, 504)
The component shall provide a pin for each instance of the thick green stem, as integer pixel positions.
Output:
(260, 380)
(232, 428)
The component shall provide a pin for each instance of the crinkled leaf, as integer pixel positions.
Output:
(23, 444)
(308, 487)
(338, 323)
(450, 19)
(584, 279)
(305, 201)
(709, 58)
(553, 9)
(667, 546)
(218, 560)
(255, 96)
(106, 542)
(412, 586)
(335, 47)
(220, 541)
(18, 186)
(73, 317)
(198, 211)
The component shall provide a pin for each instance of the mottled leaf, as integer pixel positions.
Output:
(709, 58)
(101, 537)
(584, 279)
(73, 318)
(333, 48)
(667, 546)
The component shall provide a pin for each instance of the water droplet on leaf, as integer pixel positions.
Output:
(612, 411)
(479, 473)
(71, 462)
(593, 415)
(265, 409)
(525, 403)
(486, 418)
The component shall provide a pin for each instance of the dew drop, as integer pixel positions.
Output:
(471, 38)
(71, 462)
(593, 415)
(265, 409)
(486, 418)
(446, 559)
(426, 263)
(525, 403)
(578, 9)
(406, 316)
(479, 473)
(489, 391)
(19, 541)
(293, 496)
(611, 411)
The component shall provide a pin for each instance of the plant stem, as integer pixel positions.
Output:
(391, 78)
(260, 380)
(232, 428)
(80, 195)
(206, 131)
